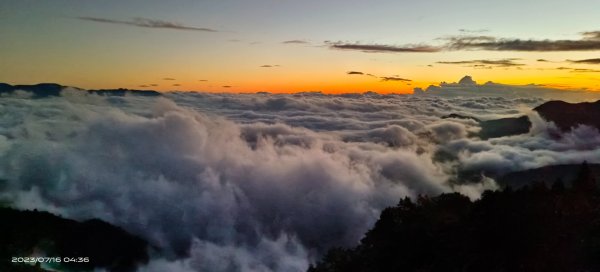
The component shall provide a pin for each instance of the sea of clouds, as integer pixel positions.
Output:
(261, 182)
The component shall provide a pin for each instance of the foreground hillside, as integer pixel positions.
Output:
(33, 233)
(531, 229)
(547, 174)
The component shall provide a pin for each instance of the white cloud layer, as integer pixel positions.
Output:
(254, 182)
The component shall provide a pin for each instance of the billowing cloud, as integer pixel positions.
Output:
(148, 23)
(468, 87)
(231, 195)
(263, 182)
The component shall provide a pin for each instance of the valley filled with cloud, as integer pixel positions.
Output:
(268, 182)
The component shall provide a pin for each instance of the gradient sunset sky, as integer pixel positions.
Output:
(292, 46)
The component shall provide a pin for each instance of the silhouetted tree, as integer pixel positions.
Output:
(585, 180)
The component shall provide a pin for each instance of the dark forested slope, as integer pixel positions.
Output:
(24, 232)
(535, 228)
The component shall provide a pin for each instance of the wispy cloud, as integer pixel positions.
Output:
(464, 30)
(577, 70)
(591, 35)
(589, 41)
(585, 71)
(295, 42)
(394, 78)
(168, 78)
(381, 48)
(269, 66)
(485, 63)
(354, 73)
(360, 73)
(586, 61)
(149, 23)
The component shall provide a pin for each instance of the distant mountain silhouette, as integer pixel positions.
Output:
(532, 229)
(504, 127)
(52, 89)
(123, 92)
(547, 174)
(107, 246)
(38, 90)
(567, 115)
(498, 127)
(5, 87)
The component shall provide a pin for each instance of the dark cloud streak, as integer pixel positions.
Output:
(148, 23)
(488, 63)
(354, 73)
(380, 48)
(586, 61)
(585, 71)
(588, 42)
(394, 78)
(295, 42)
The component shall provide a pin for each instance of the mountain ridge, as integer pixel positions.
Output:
(567, 115)
(42, 90)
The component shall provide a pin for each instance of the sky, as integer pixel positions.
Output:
(299, 46)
